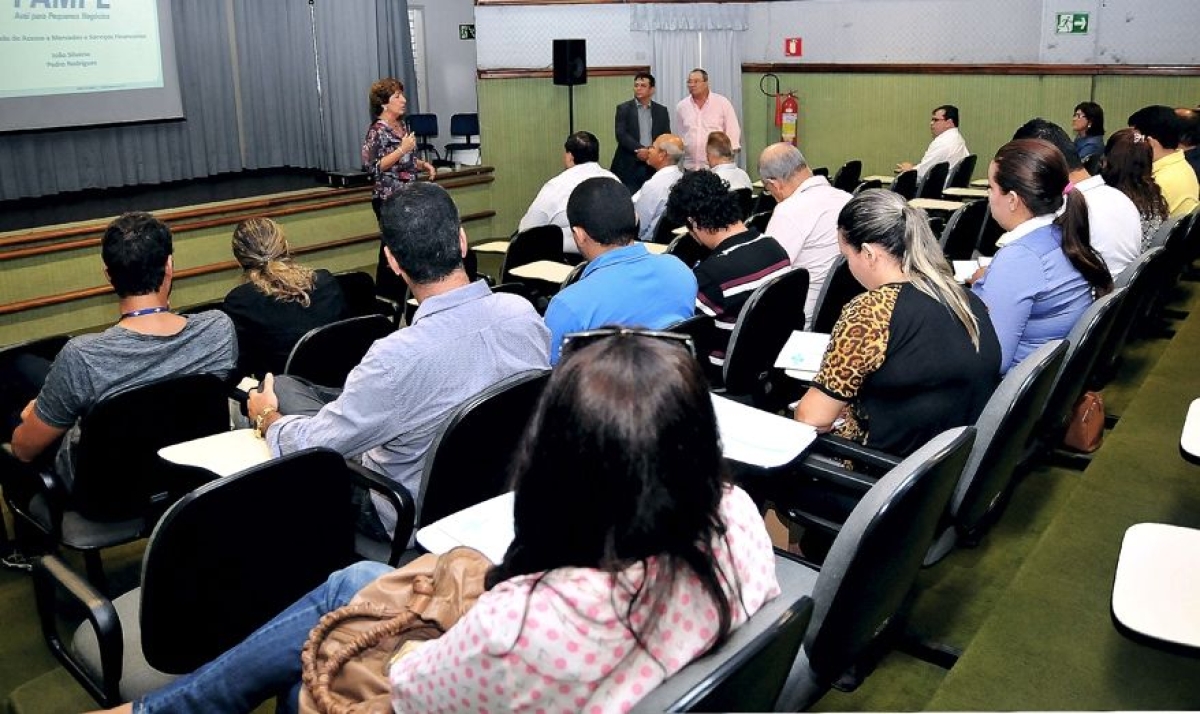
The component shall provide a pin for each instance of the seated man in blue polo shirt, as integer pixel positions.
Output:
(623, 283)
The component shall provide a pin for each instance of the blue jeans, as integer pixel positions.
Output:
(265, 664)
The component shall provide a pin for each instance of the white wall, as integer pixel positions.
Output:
(450, 63)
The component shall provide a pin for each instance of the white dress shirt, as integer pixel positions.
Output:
(733, 175)
(949, 146)
(651, 200)
(1114, 223)
(550, 205)
(805, 224)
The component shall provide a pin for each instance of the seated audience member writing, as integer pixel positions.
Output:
(1045, 273)
(721, 161)
(650, 201)
(148, 343)
(948, 144)
(1113, 221)
(741, 260)
(1162, 129)
(805, 219)
(278, 300)
(591, 608)
(463, 339)
(915, 354)
(581, 151)
(1127, 168)
(623, 283)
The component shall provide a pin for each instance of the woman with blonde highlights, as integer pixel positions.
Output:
(278, 300)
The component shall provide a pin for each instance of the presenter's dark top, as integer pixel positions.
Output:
(268, 328)
(907, 367)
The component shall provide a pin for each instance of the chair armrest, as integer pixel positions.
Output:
(787, 555)
(840, 447)
(835, 472)
(401, 500)
(52, 577)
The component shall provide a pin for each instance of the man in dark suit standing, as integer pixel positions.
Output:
(638, 121)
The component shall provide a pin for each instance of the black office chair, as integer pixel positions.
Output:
(465, 126)
(865, 580)
(839, 289)
(530, 246)
(905, 184)
(223, 560)
(764, 202)
(425, 128)
(664, 232)
(1141, 280)
(768, 318)
(747, 672)
(203, 307)
(988, 235)
(745, 197)
(120, 486)
(688, 249)
(325, 355)
(358, 287)
(934, 181)
(960, 175)
(848, 177)
(867, 186)
(759, 221)
(960, 237)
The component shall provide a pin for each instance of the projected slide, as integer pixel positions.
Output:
(71, 46)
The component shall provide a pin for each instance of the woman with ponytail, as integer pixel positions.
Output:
(916, 353)
(1046, 273)
(278, 300)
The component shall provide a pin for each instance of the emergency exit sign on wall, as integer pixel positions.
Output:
(1071, 23)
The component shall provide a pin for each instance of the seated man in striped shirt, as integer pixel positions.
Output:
(741, 259)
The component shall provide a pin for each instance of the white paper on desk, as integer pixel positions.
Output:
(752, 436)
(486, 527)
(964, 269)
(224, 454)
(803, 351)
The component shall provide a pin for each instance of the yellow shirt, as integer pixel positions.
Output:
(1174, 175)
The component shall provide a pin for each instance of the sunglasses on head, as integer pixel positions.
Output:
(577, 340)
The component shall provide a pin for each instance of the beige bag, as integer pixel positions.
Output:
(346, 659)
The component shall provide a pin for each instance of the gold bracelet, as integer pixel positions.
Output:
(258, 420)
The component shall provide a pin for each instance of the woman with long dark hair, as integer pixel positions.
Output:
(1088, 124)
(632, 556)
(1127, 167)
(1046, 273)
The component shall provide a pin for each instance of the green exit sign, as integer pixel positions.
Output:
(1071, 23)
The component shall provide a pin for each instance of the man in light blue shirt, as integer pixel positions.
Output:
(623, 283)
(651, 200)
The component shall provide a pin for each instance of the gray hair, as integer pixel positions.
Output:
(780, 162)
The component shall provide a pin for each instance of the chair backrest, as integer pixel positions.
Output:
(468, 460)
(960, 237)
(325, 355)
(760, 220)
(117, 467)
(231, 555)
(1177, 248)
(424, 126)
(745, 199)
(934, 181)
(867, 186)
(1141, 280)
(763, 203)
(1093, 163)
(848, 176)
(874, 559)
(905, 184)
(840, 288)
(203, 307)
(1084, 344)
(688, 249)
(773, 311)
(746, 673)
(358, 287)
(664, 232)
(530, 246)
(821, 171)
(988, 235)
(700, 329)
(1170, 230)
(960, 175)
(464, 125)
(1003, 432)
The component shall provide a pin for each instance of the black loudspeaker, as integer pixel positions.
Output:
(570, 62)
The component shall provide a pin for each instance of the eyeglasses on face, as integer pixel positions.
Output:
(578, 340)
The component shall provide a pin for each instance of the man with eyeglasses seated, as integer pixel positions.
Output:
(623, 283)
(948, 144)
(463, 339)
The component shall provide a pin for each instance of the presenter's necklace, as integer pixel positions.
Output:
(146, 311)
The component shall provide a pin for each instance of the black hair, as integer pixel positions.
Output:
(420, 226)
(135, 248)
(625, 426)
(949, 111)
(1189, 126)
(1128, 167)
(703, 198)
(1160, 122)
(644, 75)
(603, 207)
(583, 146)
(1094, 113)
(1049, 131)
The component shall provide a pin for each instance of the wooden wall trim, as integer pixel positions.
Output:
(73, 295)
(548, 72)
(993, 69)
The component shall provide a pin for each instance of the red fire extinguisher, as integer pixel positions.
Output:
(789, 116)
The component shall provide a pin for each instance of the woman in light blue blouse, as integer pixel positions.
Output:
(1046, 273)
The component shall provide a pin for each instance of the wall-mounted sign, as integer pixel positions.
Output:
(792, 47)
(466, 32)
(1071, 23)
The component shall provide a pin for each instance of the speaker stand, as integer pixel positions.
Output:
(571, 108)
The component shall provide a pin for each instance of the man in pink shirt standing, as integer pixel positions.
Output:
(699, 114)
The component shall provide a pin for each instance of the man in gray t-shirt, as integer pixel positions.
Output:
(149, 342)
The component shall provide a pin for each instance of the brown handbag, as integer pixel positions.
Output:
(1085, 430)
(346, 659)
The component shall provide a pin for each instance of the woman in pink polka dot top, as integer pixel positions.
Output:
(632, 556)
